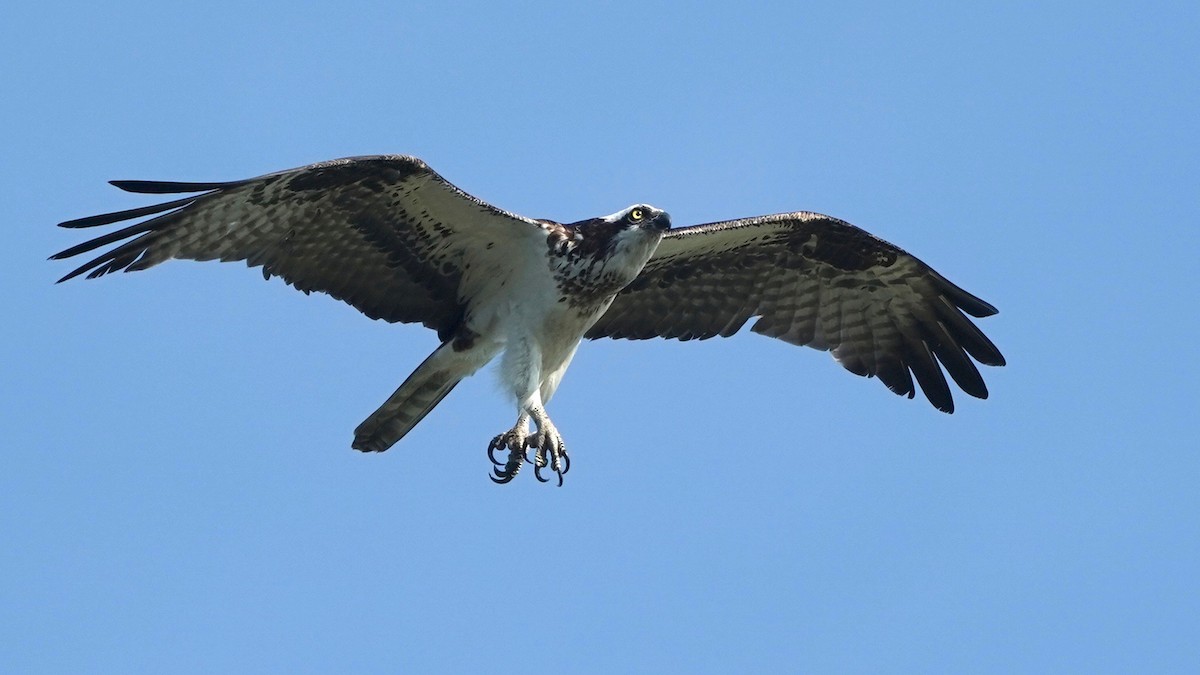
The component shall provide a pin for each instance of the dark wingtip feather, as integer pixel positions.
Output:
(896, 377)
(979, 308)
(77, 271)
(971, 304)
(162, 187)
(111, 237)
(919, 358)
(130, 214)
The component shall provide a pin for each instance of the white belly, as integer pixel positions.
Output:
(524, 317)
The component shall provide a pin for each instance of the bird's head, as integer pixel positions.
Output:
(623, 240)
(640, 217)
(634, 231)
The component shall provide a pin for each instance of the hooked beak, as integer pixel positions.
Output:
(661, 221)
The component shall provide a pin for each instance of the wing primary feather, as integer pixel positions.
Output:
(130, 214)
(925, 368)
(111, 261)
(955, 361)
(163, 187)
(124, 233)
(970, 304)
(968, 334)
(895, 375)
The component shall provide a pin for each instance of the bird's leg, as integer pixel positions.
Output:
(515, 440)
(548, 446)
(521, 370)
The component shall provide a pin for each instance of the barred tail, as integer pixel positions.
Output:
(419, 394)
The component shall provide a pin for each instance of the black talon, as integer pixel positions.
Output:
(504, 472)
(566, 462)
(507, 473)
(558, 471)
(492, 448)
(552, 459)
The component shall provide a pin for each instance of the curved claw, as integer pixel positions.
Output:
(492, 448)
(509, 471)
(537, 472)
(539, 463)
(557, 461)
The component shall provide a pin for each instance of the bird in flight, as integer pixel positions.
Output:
(392, 238)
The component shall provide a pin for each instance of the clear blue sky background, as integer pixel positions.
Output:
(177, 491)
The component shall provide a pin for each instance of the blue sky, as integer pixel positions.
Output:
(177, 491)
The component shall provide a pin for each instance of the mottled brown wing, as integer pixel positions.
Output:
(816, 281)
(385, 234)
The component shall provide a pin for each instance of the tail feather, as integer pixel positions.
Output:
(418, 395)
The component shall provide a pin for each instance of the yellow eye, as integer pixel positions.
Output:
(637, 214)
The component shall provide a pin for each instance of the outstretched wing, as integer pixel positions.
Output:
(816, 281)
(385, 234)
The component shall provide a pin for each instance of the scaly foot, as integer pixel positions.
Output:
(548, 451)
(515, 440)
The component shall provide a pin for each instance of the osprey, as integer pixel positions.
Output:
(395, 240)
